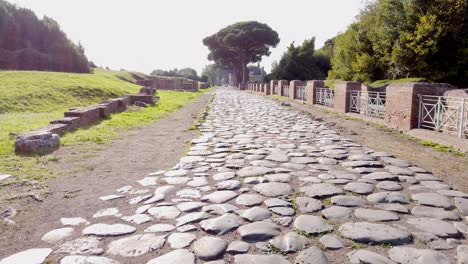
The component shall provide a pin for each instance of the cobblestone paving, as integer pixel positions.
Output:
(266, 184)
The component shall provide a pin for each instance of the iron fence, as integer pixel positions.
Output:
(275, 89)
(301, 93)
(325, 97)
(285, 90)
(368, 103)
(447, 114)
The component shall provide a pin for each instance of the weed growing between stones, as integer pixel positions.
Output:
(357, 245)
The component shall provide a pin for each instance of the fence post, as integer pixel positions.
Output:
(343, 93)
(402, 105)
(267, 88)
(311, 88)
(420, 112)
(462, 115)
(292, 88)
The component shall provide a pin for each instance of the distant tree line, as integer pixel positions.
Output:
(302, 62)
(188, 73)
(394, 39)
(30, 43)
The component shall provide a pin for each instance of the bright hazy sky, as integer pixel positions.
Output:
(144, 35)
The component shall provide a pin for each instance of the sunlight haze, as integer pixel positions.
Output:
(144, 35)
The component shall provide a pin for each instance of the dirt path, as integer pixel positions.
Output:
(451, 168)
(86, 176)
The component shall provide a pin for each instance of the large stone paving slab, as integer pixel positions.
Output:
(266, 184)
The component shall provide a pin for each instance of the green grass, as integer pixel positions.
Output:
(39, 92)
(381, 83)
(30, 100)
(108, 129)
(441, 148)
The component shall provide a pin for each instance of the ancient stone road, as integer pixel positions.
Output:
(266, 184)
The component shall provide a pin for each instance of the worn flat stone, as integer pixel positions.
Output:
(399, 208)
(136, 245)
(363, 256)
(278, 177)
(259, 259)
(462, 205)
(359, 187)
(381, 176)
(462, 254)
(74, 221)
(30, 256)
(220, 197)
(57, 235)
(337, 213)
(253, 171)
(191, 218)
(108, 230)
(249, 199)
(82, 246)
(176, 173)
(219, 209)
(258, 231)
(164, 212)
(364, 232)
(376, 215)
(190, 206)
(387, 197)
(417, 256)
(87, 260)
(222, 224)
(432, 199)
(180, 240)
(321, 190)
(434, 212)
(158, 228)
(434, 226)
(224, 176)
(331, 242)
(312, 224)
(308, 205)
(175, 257)
(229, 185)
(255, 214)
(289, 243)
(238, 247)
(273, 189)
(209, 248)
(312, 255)
(389, 186)
(399, 171)
(348, 201)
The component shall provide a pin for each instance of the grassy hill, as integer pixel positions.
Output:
(30, 100)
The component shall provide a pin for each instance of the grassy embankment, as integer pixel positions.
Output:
(30, 100)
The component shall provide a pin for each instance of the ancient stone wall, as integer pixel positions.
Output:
(166, 83)
(47, 139)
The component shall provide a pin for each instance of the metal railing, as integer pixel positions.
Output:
(326, 97)
(368, 103)
(447, 114)
(285, 90)
(275, 89)
(300, 93)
